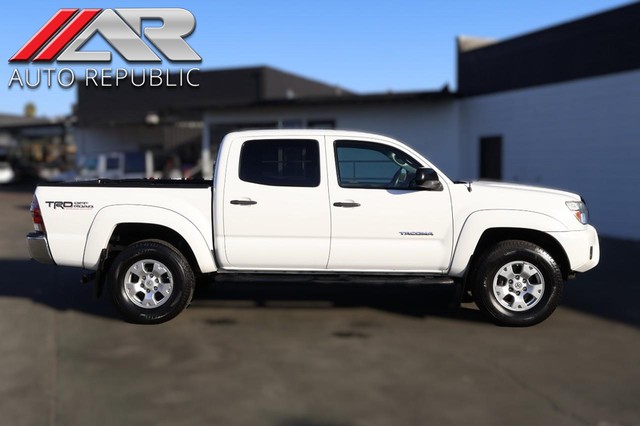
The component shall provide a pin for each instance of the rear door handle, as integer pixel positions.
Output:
(243, 202)
(346, 204)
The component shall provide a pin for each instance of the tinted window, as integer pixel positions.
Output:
(372, 165)
(286, 162)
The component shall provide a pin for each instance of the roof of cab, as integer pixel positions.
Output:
(307, 132)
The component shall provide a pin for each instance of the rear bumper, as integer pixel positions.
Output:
(39, 248)
(582, 247)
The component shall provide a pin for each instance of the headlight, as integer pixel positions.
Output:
(579, 209)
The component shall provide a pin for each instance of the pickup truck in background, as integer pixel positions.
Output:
(319, 204)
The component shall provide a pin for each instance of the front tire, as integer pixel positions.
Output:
(150, 282)
(517, 283)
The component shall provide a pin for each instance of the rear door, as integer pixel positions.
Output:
(379, 223)
(276, 204)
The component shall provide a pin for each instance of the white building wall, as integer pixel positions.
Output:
(429, 127)
(582, 135)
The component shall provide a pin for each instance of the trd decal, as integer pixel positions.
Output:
(69, 205)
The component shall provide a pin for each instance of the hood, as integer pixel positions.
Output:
(514, 188)
(508, 196)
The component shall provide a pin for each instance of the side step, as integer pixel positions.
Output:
(371, 279)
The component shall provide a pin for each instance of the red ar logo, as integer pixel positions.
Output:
(69, 29)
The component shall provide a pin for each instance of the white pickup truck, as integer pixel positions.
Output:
(318, 204)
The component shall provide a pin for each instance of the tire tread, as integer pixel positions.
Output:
(130, 312)
(482, 283)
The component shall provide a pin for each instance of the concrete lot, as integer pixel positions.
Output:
(311, 356)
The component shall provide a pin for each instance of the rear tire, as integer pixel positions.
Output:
(150, 282)
(517, 283)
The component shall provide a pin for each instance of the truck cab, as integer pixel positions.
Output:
(339, 202)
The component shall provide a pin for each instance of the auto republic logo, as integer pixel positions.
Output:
(62, 38)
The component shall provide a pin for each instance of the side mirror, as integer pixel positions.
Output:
(427, 179)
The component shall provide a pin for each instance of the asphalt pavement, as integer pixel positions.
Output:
(311, 355)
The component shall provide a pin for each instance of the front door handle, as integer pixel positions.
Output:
(346, 204)
(243, 202)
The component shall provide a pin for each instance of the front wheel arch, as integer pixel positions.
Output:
(493, 236)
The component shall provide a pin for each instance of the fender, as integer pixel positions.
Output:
(480, 221)
(109, 217)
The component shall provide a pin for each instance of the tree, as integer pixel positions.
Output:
(30, 110)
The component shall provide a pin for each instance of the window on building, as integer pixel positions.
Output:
(321, 124)
(89, 163)
(282, 162)
(113, 163)
(372, 165)
(491, 157)
(135, 162)
(291, 123)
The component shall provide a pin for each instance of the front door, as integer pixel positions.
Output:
(378, 222)
(276, 205)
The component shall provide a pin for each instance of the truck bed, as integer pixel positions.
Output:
(135, 183)
(80, 217)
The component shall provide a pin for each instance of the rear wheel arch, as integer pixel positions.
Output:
(147, 222)
(126, 234)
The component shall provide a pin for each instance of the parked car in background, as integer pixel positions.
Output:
(7, 174)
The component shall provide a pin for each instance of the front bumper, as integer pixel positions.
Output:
(39, 247)
(582, 247)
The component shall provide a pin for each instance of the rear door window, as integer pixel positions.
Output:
(281, 162)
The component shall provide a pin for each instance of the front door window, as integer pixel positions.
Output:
(373, 166)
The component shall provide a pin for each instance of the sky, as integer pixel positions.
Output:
(363, 46)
